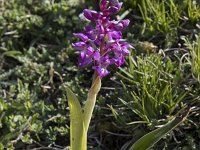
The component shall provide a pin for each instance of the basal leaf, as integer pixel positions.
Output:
(153, 137)
(77, 131)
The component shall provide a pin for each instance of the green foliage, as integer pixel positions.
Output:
(161, 16)
(153, 86)
(193, 10)
(164, 21)
(194, 53)
(150, 139)
(23, 117)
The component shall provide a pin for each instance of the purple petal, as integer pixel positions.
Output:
(116, 47)
(100, 28)
(102, 71)
(118, 60)
(90, 32)
(112, 24)
(114, 2)
(126, 51)
(89, 51)
(109, 37)
(92, 35)
(115, 6)
(116, 34)
(97, 55)
(113, 10)
(82, 55)
(100, 38)
(81, 36)
(103, 4)
(79, 45)
(126, 47)
(84, 62)
(105, 60)
(91, 14)
(125, 22)
(119, 27)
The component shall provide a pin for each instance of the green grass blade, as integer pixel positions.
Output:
(78, 136)
(153, 137)
(12, 54)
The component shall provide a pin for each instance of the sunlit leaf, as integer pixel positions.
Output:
(77, 131)
(153, 137)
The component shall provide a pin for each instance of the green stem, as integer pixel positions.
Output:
(90, 102)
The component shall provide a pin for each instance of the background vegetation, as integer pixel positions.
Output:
(160, 77)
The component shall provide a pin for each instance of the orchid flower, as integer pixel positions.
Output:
(103, 45)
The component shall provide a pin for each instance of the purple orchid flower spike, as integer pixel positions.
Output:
(103, 45)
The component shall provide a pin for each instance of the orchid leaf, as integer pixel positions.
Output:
(78, 136)
(148, 140)
(90, 102)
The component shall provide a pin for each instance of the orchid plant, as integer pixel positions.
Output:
(100, 46)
